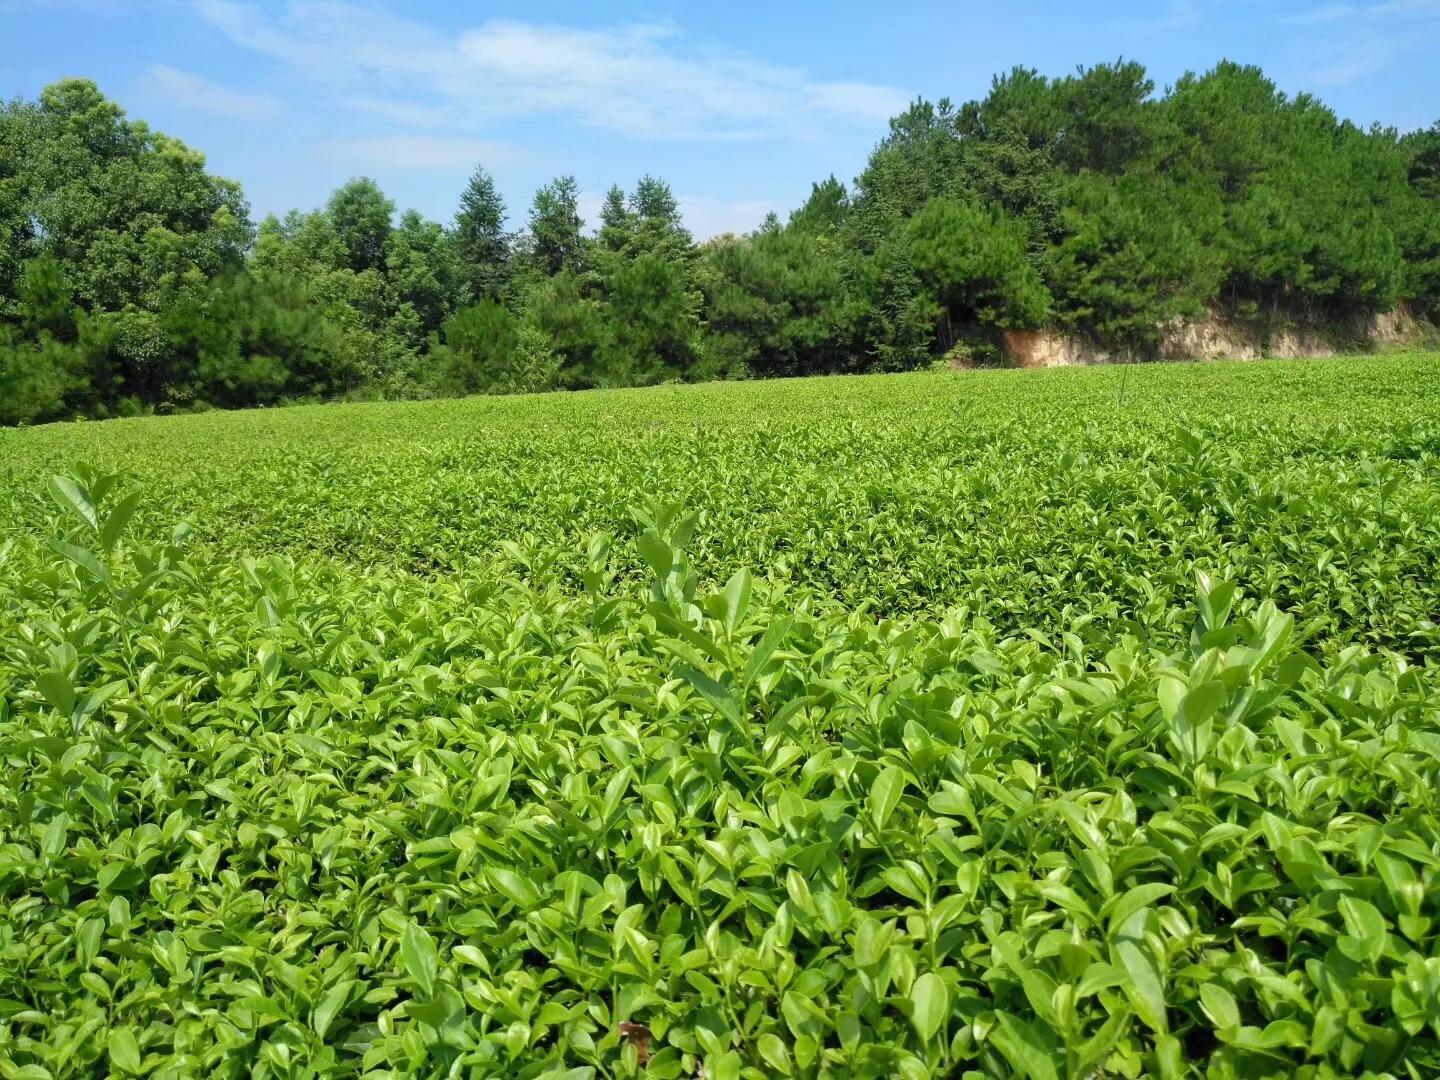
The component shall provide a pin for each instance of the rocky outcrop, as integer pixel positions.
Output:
(1222, 337)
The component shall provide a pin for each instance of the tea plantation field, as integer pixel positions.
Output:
(1072, 723)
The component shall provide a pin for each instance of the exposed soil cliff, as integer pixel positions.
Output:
(1222, 337)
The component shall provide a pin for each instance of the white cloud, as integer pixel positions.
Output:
(193, 91)
(860, 101)
(413, 114)
(421, 152)
(640, 80)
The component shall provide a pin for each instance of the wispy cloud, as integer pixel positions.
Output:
(1349, 70)
(1346, 43)
(1343, 13)
(1174, 15)
(193, 91)
(95, 7)
(641, 80)
(703, 215)
(421, 151)
(706, 217)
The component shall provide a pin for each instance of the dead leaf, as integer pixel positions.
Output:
(639, 1036)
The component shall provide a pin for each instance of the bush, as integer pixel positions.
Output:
(488, 350)
(252, 339)
(36, 378)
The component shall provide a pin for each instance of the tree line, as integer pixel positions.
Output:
(133, 280)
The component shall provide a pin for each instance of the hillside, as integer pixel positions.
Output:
(1097, 210)
(1075, 722)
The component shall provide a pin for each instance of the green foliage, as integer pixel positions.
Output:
(1139, 209)
(45, 297)
(1420, 231)
(361, 216)
(554, 240)
(251, 339)
(1090, 204)
(977, 725)
(652, 322)
(1105, 118)
(481, 244)
(37, 378)
(778, 303)
(130, 214)
(824, 212)
(898, 316)
(974, 262)
(659, 230)
(486, 349)
(387, 310)
(571, 319)
(1127, 261)
(422, 269)
(478, 343)
(617, 224)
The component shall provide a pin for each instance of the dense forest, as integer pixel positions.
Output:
(133, 280)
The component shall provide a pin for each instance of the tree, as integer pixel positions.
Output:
(896, 316)
(824, 211)
(660, 230)
(555, 241)
(1089, 203)
(251, 339)
(778, 303)
(362, 218)
(919, 160)
(617, 224)
(1108, 121)
(1419, 220)
(386, 333)
(486, 348)
(481, 243)
(652, 318)
(574, 326)
(130, 214)
(1128, 262)
(424, 272)
(39, 378)
(975, 263)
(40, 370)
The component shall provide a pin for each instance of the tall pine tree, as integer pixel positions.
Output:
(555, 241)
(657, 215)
(480, 238)
(617, 223)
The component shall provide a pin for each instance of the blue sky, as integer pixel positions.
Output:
(738, 105)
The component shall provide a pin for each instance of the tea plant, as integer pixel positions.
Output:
(874, 732)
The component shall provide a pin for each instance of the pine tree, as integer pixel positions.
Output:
(617, 223)
(825, 210)
(555, 226)
(480, 238)
(659, 225)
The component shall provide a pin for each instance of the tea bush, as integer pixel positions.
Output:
(1073, 723)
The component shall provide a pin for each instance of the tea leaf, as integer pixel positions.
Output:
(421, 959)
(929, 1004)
